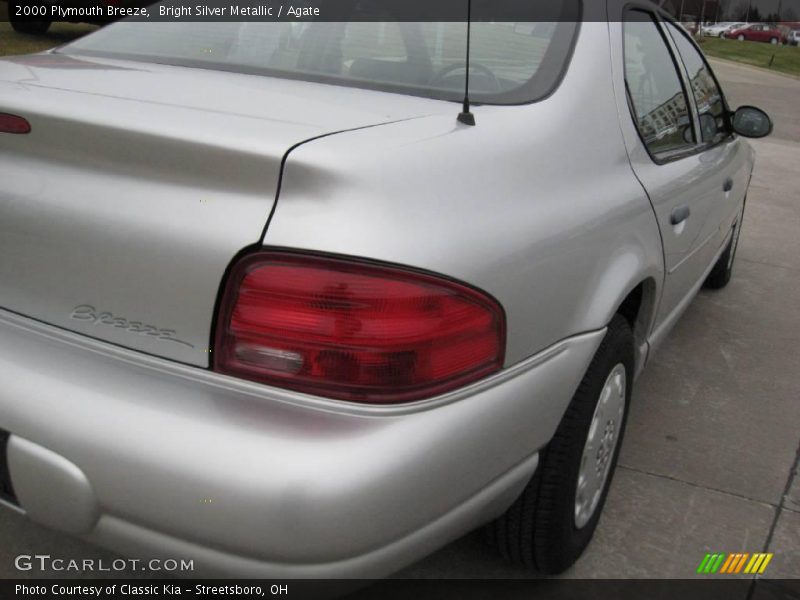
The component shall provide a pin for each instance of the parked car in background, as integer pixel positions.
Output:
(793, 38)
(690, 27)
(757, 32)
(286, 311)
(719, 29)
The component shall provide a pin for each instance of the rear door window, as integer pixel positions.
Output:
(655, 89)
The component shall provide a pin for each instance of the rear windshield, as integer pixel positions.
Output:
(512, 62)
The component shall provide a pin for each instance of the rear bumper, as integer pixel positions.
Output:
(159, 460)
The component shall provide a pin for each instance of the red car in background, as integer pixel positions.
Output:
(757, 32)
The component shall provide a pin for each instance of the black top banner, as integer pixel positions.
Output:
(104, 11)
(298, 10)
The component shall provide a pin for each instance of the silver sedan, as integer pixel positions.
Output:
(276, 299)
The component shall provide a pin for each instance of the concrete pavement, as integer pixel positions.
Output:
(711, 456)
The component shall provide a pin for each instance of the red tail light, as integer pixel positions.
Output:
(354, 331)
(13, 124)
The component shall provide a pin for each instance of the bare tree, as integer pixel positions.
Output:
(740, 12)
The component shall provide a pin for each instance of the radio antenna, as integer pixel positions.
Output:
(466, 117)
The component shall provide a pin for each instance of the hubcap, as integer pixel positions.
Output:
(601, 444)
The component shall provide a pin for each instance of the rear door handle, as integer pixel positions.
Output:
(679, 215)
(728, 185)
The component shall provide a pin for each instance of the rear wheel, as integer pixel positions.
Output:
(553, 521)
(27, 25)
(773, 41)
(740, 38)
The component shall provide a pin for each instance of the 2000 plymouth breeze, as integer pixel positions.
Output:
(267, 305)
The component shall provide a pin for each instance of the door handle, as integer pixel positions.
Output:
(679, 215)
(728, 185)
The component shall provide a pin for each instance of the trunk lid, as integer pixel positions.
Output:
(139, 183)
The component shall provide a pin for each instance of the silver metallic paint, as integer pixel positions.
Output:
(537, 205)
(69, 504)
(695, 181)
(156, 439)
(141, 182)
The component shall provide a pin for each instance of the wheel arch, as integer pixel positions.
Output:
(638, 308)
(631, 289)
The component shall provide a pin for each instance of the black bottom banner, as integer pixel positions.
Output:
(390, 589)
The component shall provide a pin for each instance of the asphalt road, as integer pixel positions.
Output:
(711, 455)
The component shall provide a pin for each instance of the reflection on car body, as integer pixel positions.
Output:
(394, 327)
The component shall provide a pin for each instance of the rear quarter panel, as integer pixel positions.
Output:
(537, 204)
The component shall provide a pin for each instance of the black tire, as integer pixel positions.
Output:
(27, 25)
(539, 530)
(722, 272)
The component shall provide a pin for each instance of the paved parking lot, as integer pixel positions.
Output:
(711, 456)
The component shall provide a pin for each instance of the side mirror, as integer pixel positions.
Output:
(752, 122)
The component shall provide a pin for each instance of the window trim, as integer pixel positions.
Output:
(683, 73)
